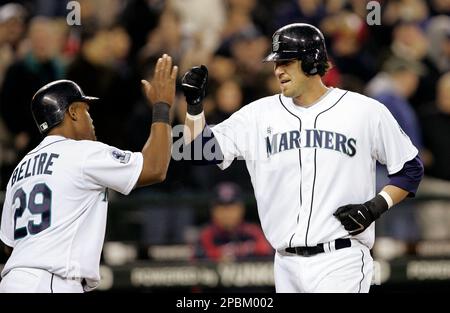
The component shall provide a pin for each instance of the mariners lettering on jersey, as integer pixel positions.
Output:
(313, 138)
(40, 164)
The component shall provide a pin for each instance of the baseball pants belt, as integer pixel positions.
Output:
(321, 247)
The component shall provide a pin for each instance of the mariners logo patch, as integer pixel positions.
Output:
(276, 43)
(121, 156)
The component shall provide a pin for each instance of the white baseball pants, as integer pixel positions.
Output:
(346, 270)
(32, 280)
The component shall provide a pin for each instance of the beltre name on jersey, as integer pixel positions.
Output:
(41, 164)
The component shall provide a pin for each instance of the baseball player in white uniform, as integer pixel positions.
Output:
(311, 154)
(54, 214)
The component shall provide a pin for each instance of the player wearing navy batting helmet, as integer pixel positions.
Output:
(311, 152)
(54, 214)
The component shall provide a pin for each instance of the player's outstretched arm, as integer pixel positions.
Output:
(196, 132)
(161, 95)
(194, 84)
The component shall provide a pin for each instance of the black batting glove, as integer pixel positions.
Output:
(194, 83)
(357, 217)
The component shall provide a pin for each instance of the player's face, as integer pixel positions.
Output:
(86, 127)
(290, 77)
(228, 216)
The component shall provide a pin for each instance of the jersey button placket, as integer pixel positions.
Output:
(307, 178)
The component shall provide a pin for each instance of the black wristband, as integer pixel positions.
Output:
(377, 206)
(161, 113)
(195, 109)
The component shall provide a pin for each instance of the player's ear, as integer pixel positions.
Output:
(72, 111)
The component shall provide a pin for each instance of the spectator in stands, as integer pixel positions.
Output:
(96, 69)
(202, 20)
(436, 130)
(349, 35)
(438, 34)
(400, 10)
(248, 48)
(393, 86)
(229, 237)
(439, 7)
(167, 36)
(24, 77)
(410, 42)
(294, 11)
(139, 17)
(12, 29)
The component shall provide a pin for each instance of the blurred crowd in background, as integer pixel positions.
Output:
(404, 62)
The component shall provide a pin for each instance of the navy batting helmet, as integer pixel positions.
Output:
(300, 41)
(49, 104)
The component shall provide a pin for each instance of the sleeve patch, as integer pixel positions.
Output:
(121, 156)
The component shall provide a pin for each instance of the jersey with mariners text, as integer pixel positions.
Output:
(305, 163)
(54, 214)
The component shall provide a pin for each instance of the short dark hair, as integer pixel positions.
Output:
(226, 193)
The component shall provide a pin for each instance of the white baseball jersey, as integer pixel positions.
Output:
(54, 214)
(305, 163)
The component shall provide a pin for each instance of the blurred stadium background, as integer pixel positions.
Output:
(154, 236)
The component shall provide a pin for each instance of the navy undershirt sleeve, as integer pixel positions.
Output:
(205, 149)
(409, 177)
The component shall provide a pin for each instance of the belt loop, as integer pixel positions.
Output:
(332, 245)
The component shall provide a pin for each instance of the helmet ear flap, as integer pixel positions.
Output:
(310, 62)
